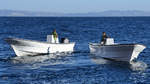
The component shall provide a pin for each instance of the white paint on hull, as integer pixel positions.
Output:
(24, 47)
(119, 52)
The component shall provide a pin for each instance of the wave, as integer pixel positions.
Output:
(38, 58)
(138, 66)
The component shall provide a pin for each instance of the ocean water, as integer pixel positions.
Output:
(79, 67)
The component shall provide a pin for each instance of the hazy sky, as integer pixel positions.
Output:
(75, 6)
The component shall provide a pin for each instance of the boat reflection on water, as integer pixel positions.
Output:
(38, 58)
(134, 65)
(99, 60)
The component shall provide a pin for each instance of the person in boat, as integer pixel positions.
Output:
(55, 35)
(104, 37)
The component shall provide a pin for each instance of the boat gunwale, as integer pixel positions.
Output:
(16, 39)
(98, 44)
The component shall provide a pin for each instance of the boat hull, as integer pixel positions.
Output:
(118, 52)
(24, 47)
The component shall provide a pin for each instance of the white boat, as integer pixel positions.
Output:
(118, 52)
(24, 47)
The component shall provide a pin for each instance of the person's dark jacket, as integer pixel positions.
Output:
(104, 37)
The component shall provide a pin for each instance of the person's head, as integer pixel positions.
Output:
(104, 33)
(54, 30)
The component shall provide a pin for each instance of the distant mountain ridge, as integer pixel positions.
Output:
(90, 14)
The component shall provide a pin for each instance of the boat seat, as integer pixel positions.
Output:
(50, 39)
(109, 41)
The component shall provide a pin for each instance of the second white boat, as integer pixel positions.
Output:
(119, 52)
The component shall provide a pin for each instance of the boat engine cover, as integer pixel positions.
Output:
(109, 41)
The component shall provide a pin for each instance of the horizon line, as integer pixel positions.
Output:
(74, 12)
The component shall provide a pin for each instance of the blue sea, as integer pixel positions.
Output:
(79, 67)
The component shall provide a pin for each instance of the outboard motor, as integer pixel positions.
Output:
(64, 40)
